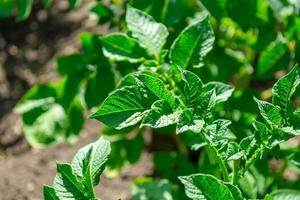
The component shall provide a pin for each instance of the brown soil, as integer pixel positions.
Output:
(27, 57)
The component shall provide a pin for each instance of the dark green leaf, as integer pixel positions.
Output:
(6, 8)
(47, 3)
(23, 9)
(74, 3)
(272, 58)
(99, 85)
(49, 193)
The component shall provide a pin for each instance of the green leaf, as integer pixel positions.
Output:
(283, 90)
(232, 151)
(272, 58)
(180, 164)
(291, 131)
(23, 9)
(216, 7)
(104, 12)
(187, 122)
(269, 112)
(161, 115)
(268, 197)
(204, 186)
(97, 158)
(235, 191)
(206, 104)
(262, 130)
(123, 108)
(192, 88)
(30, 104)
(47, 3)
(285, 194)
(99, 85)
(223, 91)
(193, 43)
(151, 85)
(120, 47)
(127, 105)
(49, 193)
(148, 189)
(74, 3)
(146, 30)
(45, 121)
(66, 185)
(6, 8)
(74, 63)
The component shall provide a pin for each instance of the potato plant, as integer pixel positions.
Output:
(215, 81)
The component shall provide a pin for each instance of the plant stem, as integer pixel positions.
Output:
(235, 178)
(213, 155)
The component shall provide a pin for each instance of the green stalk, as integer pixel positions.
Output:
(235, 178)
(213, 155)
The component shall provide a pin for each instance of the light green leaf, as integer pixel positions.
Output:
(187, 122)
(97, 158)
(269, 112)
(123, 108)
(283, 90)
(205, 187)
(49, 193)
(30, 104)
(23, 9)
(45, 127)
(223, 91)
(193, 43)
(268, 197)
(66, 185)
(291, 130)
(146, 30)
(120, 47)
(161, 115)
(285, 194)
(148, 189)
